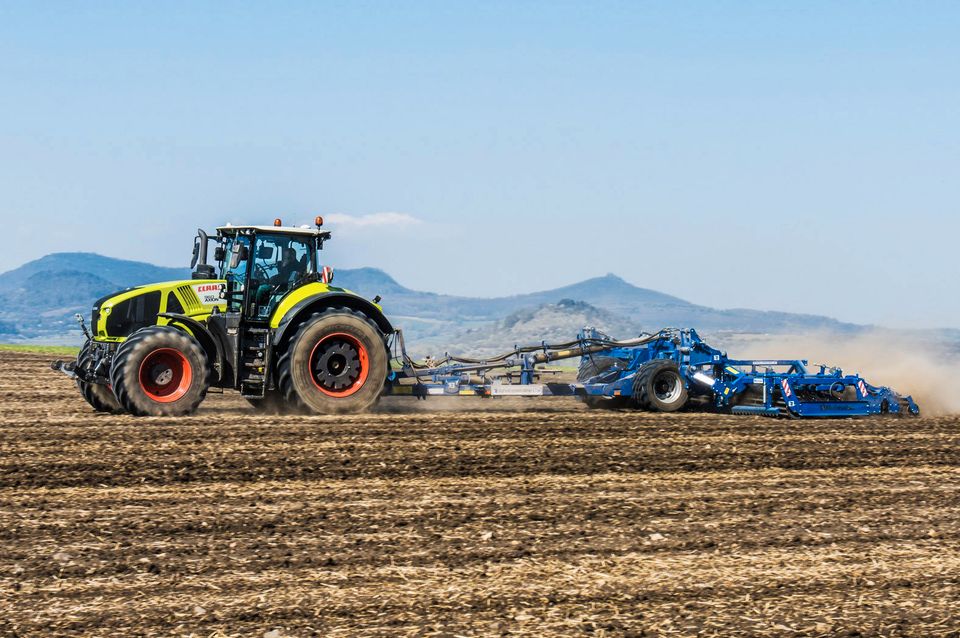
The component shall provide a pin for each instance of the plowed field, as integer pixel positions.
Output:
(525, 518)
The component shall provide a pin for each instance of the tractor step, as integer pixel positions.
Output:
(254, 361)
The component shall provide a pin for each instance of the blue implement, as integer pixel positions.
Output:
(666, 371)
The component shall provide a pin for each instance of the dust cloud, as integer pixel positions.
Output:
(909, 364)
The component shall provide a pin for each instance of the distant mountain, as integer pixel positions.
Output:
(369, 282)
(38, 300)
(121, 272)
(554, 323)
(57, 288)
(610, 292)
(424, 314)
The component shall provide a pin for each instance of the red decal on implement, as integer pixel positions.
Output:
(786, 388)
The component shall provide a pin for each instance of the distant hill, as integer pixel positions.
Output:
(369, 282)
(38, 301)
(40, 298)
(58, 288)
(121, 272)
(554, 323)
(610, 292)
(425, 314)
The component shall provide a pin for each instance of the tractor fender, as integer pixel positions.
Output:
(210, 344)
(319, 302)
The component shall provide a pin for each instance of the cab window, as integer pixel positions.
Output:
(280, 260)
(279, 263)
(234, 269)
(235, 273)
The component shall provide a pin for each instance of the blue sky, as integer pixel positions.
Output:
(794, 156)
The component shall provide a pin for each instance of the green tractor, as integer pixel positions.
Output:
(265, 321)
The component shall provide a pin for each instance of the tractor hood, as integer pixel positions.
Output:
(122, 313)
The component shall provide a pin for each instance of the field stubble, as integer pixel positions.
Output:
(520, 518)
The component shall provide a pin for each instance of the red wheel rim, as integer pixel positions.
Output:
(339, 365)
(165, 375)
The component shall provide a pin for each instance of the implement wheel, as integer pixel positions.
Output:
(160, 371)
(659, 386)
(100, 397)
(336, 363)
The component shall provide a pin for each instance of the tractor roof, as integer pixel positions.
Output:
(304, 231)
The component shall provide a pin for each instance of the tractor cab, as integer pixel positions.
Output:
(261, 264)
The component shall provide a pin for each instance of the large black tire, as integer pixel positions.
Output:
(336, 363)
(659, 386)
(160, 371)
(100, 397)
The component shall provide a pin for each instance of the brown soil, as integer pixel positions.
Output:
(531, 518)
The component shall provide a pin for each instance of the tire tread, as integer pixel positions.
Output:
(122, 359)
(641, 383)
(285, 385)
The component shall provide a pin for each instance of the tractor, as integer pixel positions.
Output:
(265, 321)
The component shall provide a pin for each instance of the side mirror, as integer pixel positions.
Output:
(219, 254)
(196, 254)
(238, 254)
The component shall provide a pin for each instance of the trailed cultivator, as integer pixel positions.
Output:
(266, 320)
(664, 372)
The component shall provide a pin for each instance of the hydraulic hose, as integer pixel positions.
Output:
(544, 352)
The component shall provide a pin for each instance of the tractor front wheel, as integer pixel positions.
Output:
(160, 371)
(336, 363)
(100, 397)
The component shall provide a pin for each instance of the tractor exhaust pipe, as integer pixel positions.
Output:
(201, 269)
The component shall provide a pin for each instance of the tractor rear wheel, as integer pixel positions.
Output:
(100, 397)
(336, 363)
(160, 371)
(659, 386)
